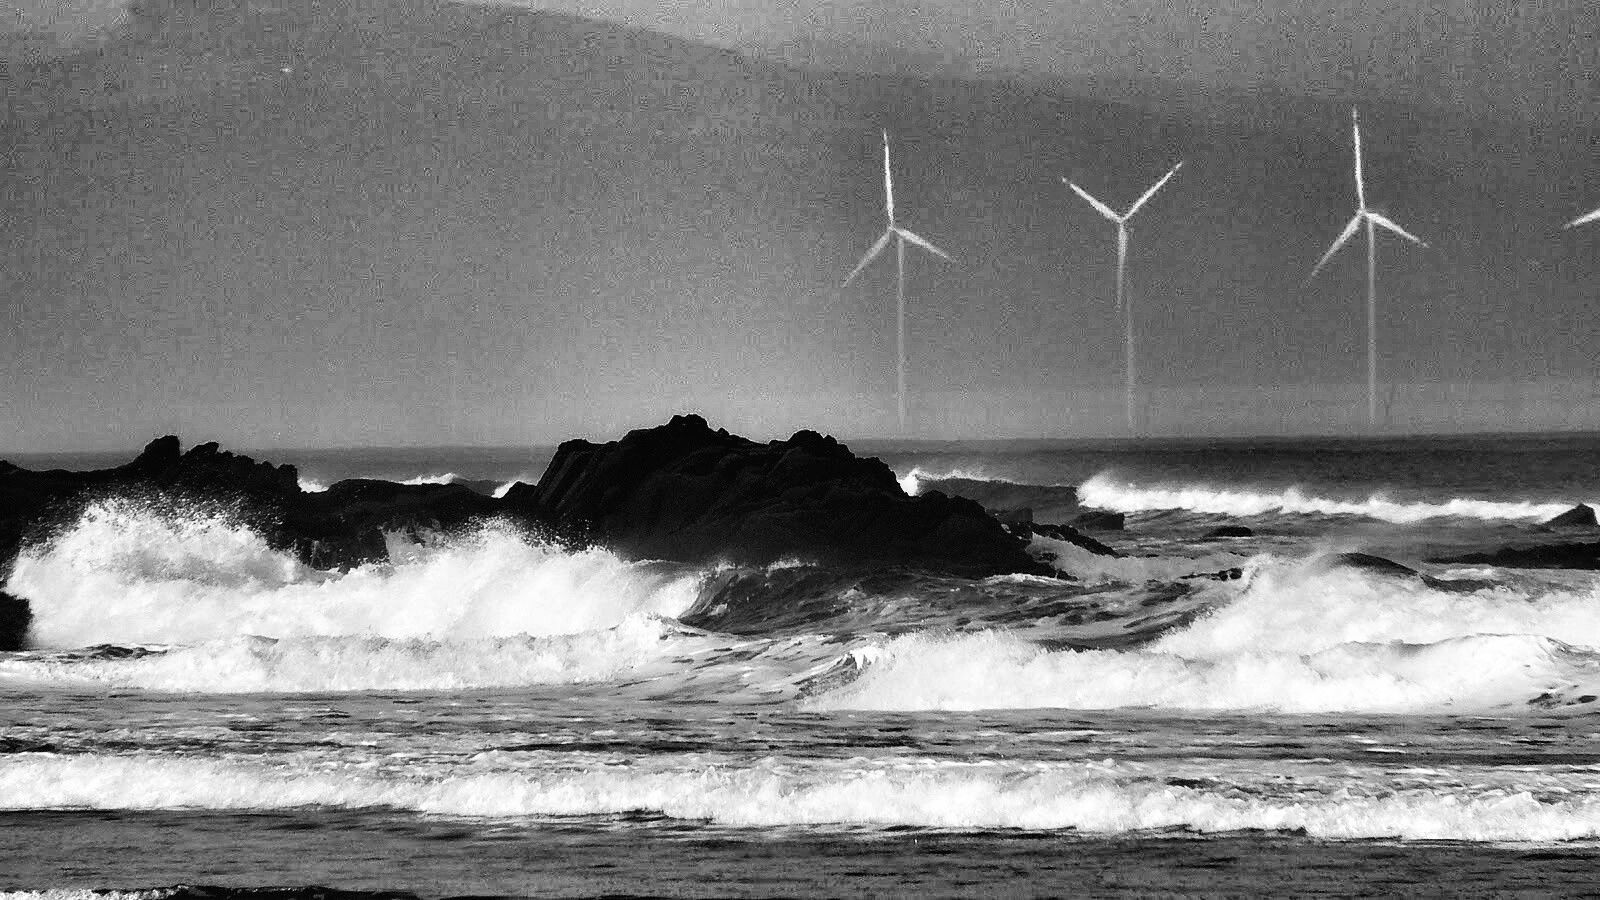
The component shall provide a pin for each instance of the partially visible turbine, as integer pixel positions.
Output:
(1123, 303)
(1371, 218)
(901, 236)
(1584, 219)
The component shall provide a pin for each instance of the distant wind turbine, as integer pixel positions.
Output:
(1371, 218)
(901, 236)
(1584, 219)
(1123, 303)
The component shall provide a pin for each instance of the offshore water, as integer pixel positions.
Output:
(491, 715)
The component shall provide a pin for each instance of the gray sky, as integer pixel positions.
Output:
(478, 227)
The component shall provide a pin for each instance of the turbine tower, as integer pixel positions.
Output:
(1370, 218)
(1584, 219)
(1123, 303)
(901, 236)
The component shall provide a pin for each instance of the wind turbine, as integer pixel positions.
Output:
(901, 236)
(1584, 219)
(1370, 218)
(1122, 264)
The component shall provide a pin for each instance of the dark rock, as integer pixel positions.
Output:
(15, 617)
(1027, 530)
(684, 492)
(1366, 562)
(1547, 556)
(1231, 574)
(480, 486)
(1048, 502)
(1229, 531)
(1580, 516)
(1099, 520)
(1012, 516)
(1378, 565)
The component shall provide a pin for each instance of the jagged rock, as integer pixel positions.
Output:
(1026, 530)
(1230, 531)
(685, 492)
(1580, 516)
(1099, 520)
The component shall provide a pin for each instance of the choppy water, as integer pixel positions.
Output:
(488, 714)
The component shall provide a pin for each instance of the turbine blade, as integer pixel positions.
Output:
(921, 242)
(1361, 183)
(1343, 238)
(871, 255)
(1584, 219)
(888, 179)
(1103, 209)
(1388, 223)
(1152, 192)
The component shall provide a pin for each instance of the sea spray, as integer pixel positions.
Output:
(130, 572)
(1106, 492)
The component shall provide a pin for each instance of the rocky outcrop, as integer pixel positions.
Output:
(1099, 520)
(680, 491)
(1580, 516)
(1229, 531)
(1544, 556)
(1066, 533)
(685, 492)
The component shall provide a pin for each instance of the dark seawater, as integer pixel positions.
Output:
(487, 715)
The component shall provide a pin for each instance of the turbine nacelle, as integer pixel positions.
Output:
(892, 231)
(1108, 212)
(1363, 214)
(1350, 229)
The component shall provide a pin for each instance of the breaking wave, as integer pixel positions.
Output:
(127, 572)
(1104, 492)
(1300, 638)
(1104, 797)
(913, 482)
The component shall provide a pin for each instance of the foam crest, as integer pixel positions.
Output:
(131, 573)
(1307, 606)
(993, 670)
(329, 664)
(1104, 492)
(1092, 797)
(911, 482)
(446, 478)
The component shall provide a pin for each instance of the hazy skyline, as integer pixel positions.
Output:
(286, 225)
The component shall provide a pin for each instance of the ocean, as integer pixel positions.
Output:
(491, 715)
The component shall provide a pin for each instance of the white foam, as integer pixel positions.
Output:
(1307, 606)
(1104, 492)
(324, 664)
(1106, 797)
(129, 573)
(1299, 637)
(995, 670)
(446, 478)
(911, 482)
(311, 485)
